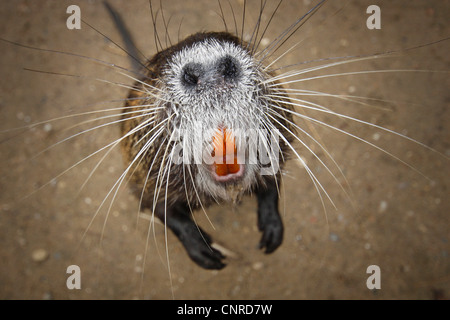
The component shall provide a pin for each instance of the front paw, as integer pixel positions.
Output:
(198, 246)
(272, 229)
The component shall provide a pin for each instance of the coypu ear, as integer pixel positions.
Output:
(269, 220)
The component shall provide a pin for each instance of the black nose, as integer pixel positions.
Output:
(192, 73)
(225, 71)
(228, 68)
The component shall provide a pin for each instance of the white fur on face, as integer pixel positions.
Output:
(238, 106)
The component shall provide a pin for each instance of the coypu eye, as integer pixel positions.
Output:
(229, 67)
(191, 74)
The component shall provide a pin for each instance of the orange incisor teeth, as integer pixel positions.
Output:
(224, 145)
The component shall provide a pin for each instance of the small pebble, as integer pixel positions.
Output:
(344, 42)
(20, 115)
(402, 185)
(235, 290)
(382, 207)
(334, 237)
(257, 265)
(39, 255)
(47, 127)
(47, 296)
(376, 136)
(265, 42)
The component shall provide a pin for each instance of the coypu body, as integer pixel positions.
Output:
(208, 86)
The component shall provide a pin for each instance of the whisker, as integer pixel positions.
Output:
(162, 169)
(243, 19)
(102, 62)
(84, 159)
(270, 157)
(165, 219)
(132, 51)
(222, 16)
(129, 87)
(317, 185)
(327, 153)
(234, 18)
(148, 112)
(270, 128)
(191, 211)
(267, 26)
(287, 33)
(157, 40)
(152, 224)
(367, 142)
(294, 73)
(325, 110)
(87, 131)
(251, 42)
(345, 97)
(313, 153)
(80, 114)
(104, 157)
(198, 198)
(117, 184)
(390, 53)
(269, 65)
(166, 25)
(350, 74)
(146, 85)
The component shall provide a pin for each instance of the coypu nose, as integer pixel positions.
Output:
(229, 68)
(225, 147)
(224, 71)
(191, 74)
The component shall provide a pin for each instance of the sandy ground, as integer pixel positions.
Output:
(394, 217)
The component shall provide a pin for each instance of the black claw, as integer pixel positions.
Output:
(195, 240)
(272, 236)
(269, 220)
(203, 254)
(211, 260)
(198, 246)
